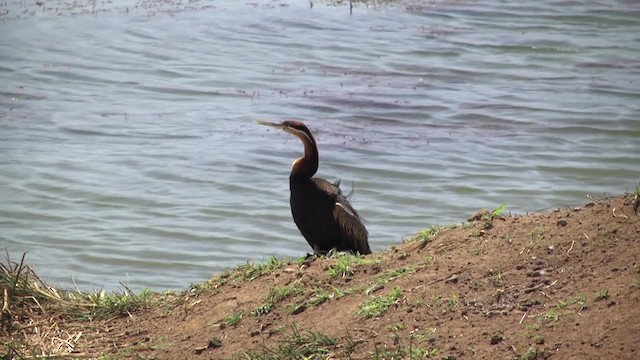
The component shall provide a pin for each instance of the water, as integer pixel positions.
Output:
(129, 152)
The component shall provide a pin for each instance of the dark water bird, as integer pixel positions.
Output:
(320, 210)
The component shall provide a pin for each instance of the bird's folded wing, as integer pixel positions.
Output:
(348, 219)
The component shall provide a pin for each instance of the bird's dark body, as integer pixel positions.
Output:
(325, 217)
(323, 214)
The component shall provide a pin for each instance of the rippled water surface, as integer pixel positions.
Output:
(129, 151)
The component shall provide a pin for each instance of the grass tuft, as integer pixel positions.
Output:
(234, 318)
(297, 344)
(427, 235)
(495, 213)
(276, 294)
(378, 305)
(346, 263)
(27, 299)
(251, 271)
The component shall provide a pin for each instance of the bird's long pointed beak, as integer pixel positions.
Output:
(275, 125)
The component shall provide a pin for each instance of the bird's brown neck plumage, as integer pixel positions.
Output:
(306, 166)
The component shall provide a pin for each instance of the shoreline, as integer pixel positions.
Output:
(552, 284)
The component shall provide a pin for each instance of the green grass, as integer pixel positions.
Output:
(428, 335)
(214, 283)
(296, 307)
(427, 235)
(319, 297)
(251, 271)
(27, 299)
(106, 305)
(393, 274)
(234, 318)
(296, 344)
(549, 317)
(276, 294)
(450, 302)
(378, 305)
(400, 351)
(477, 250)
(537, 233)
(496, 277)
(533, 353)
(579, 300)
(396, 327)
(602, 295)
(248, 271)
(346, 263)
(495, 213)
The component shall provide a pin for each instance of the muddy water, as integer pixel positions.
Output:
(129, 152)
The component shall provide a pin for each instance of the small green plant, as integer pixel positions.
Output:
(477, 250)
(212, 284)
(263, 309)
(343, 267)
(497, 277)
(396, 327)
(533, 353)
(437, 299)
(538, 339)
(281, 292)
(602, 295)
(393, 274)
(346, 263)
(296, 307)
(495, 213)
(400, 351)
(377, 306)
(276, 294)
(296, 344)
(338, 292)
(427, 235)
(251, 271)
(234, 318)
(452, 301)
(427, 260)
(428, 335)
(581, 301)
(319, 297)
(301, 261)
(116, 304)
(550, 316)
(537, 233)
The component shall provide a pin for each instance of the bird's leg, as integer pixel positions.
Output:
(333, 252)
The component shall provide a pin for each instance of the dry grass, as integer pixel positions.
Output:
(33, 310)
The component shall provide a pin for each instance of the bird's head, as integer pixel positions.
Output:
(295, 127)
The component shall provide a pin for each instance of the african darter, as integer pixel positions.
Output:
(320, 210)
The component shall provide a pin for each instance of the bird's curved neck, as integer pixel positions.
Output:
(306, 166)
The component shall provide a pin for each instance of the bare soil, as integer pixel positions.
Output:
(563, 284)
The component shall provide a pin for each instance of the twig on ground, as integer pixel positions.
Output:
(572, 243)
(523, 316)
(597, 201)
(618, 216)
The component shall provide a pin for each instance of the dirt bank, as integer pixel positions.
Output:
(561, 284)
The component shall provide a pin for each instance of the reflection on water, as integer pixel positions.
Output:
(129, 152)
